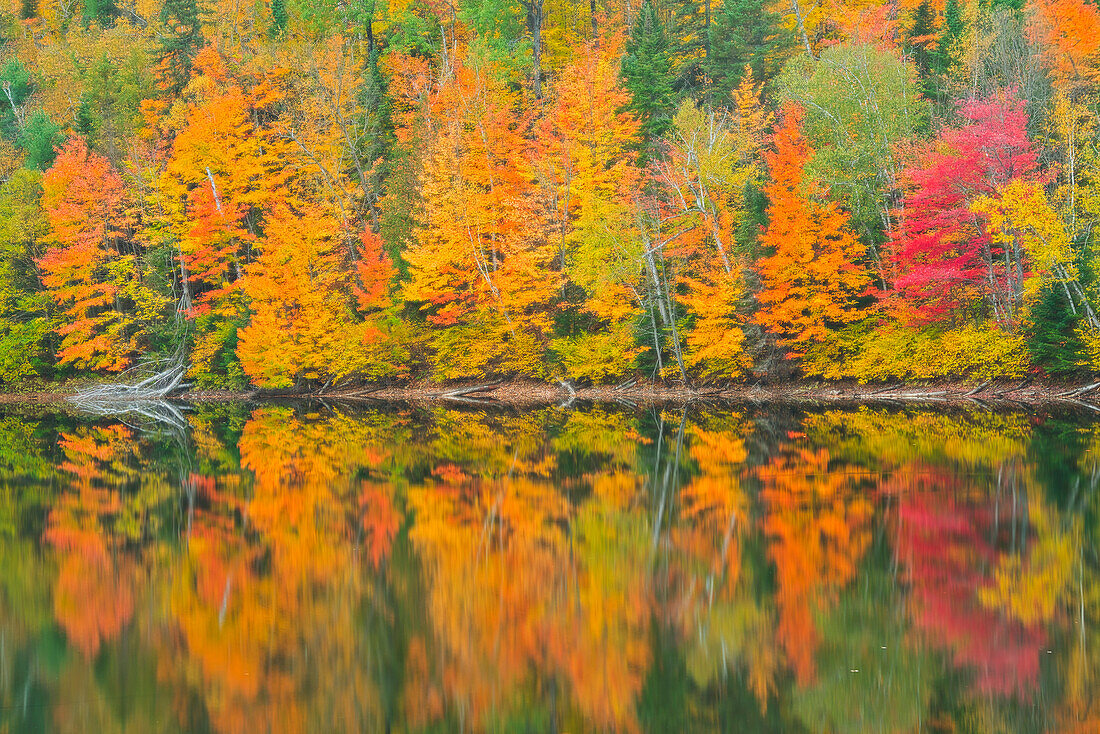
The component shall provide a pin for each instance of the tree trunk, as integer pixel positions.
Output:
(534, 25)
(801, 26)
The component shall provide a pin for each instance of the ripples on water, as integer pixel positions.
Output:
(317, 568)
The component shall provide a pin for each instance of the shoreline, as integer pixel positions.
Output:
(519, 393)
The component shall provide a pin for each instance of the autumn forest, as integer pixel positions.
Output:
(310, 192)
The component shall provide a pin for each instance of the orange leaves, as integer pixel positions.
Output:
(84, 201)
(1067, 34)
(811, 281)
(302, 325)
(818, 529)
(93, 598)
(716, 341)
(92, 601)
(480, 265)
(375, 271)
(586, 155)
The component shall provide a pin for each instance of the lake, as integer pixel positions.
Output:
(314, 567)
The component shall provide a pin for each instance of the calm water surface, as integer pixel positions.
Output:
(314, 568)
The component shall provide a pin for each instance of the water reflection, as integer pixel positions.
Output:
(316, 568)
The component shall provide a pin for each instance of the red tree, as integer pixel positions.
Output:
(943, 257)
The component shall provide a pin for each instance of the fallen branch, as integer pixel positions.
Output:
(979, 388)
(1080, 390)
(469, 390)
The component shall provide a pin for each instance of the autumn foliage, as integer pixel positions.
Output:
(309, 197)
(812, 279)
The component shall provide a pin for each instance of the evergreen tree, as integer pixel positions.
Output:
(15, 87)
(953, 27)
(921, 34)
(40, 138)
(378, 139)
(99, 11)
(28, 9)
(743, 32)
(689, 28)
(1053, 339)
(647, 71)
(180, 41)
(278, 17)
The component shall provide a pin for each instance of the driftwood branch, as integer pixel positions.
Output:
(466, 391)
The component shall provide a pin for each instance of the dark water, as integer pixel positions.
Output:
(315, 568)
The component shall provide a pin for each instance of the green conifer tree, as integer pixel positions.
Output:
(647, 71)
(744, 32)
(180, 40)
(278, 17)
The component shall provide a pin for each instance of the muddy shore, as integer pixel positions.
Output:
(529, 394)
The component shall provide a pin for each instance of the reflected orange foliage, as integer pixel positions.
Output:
(818, 528)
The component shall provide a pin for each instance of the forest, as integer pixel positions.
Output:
(313, 193)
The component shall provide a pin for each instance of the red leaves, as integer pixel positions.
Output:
(375, 271)
(942, 254)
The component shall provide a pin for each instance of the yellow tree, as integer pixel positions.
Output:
(586, 154)
(299, 291)
(712, 158)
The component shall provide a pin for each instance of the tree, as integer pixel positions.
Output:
(811, 282)
(86, 266)
(744, 33)
(227, 164)
(710, 162)
(40, 139)
(587, 153)
(302, 324)
(24, 306)
(480, 268)
(944, 259)
(647, 72)
(278, 17)
(179, 43)
(1067, 34)
(861, 102)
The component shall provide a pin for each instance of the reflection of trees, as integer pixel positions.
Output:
(818, 528)
(446, 569)
(727, 626)
(273, 579)
(528, 591)
(89, 524)
(964, 554)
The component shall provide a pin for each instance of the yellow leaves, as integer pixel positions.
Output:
(897, 351)
(604, 355)
(302, 326)
(1021, 219)
(711, 160)
(1030, 586)
(716, 342)
(480, 265)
